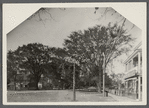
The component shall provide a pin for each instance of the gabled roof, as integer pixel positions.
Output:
(137, 47)
(136, 50)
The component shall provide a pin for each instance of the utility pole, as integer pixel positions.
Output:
(74, 92)
(103, 74)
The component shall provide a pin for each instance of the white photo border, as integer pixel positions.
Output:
(140, 21)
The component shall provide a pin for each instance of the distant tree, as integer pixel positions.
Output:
(117, 80)
(98, 45)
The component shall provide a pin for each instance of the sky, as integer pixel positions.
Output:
(57, 24)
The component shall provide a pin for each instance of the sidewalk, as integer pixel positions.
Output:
(121, 98)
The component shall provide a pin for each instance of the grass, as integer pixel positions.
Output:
(55, 96)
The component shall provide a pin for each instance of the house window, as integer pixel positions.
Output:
(135, 61)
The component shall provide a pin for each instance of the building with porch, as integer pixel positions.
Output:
(133, 74)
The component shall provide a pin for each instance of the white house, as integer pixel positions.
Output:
(133, 73)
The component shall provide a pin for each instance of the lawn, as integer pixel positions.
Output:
(56, 96)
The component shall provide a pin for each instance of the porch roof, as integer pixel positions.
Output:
(132, 55)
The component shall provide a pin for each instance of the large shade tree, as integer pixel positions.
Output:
(34, 58)
(38, 60)
(97, 46)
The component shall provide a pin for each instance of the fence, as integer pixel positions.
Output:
(117, 92)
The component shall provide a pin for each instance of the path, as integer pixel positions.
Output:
(122, 98)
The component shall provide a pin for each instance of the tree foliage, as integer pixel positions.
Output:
(90, 45)
(12, 68)
(38, 59)
(33, 58)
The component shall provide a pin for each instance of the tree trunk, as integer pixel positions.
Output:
(15, 82)
(99, 87)
(99, 79)
(36, 85)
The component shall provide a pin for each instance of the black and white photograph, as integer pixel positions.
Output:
(74, 54)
